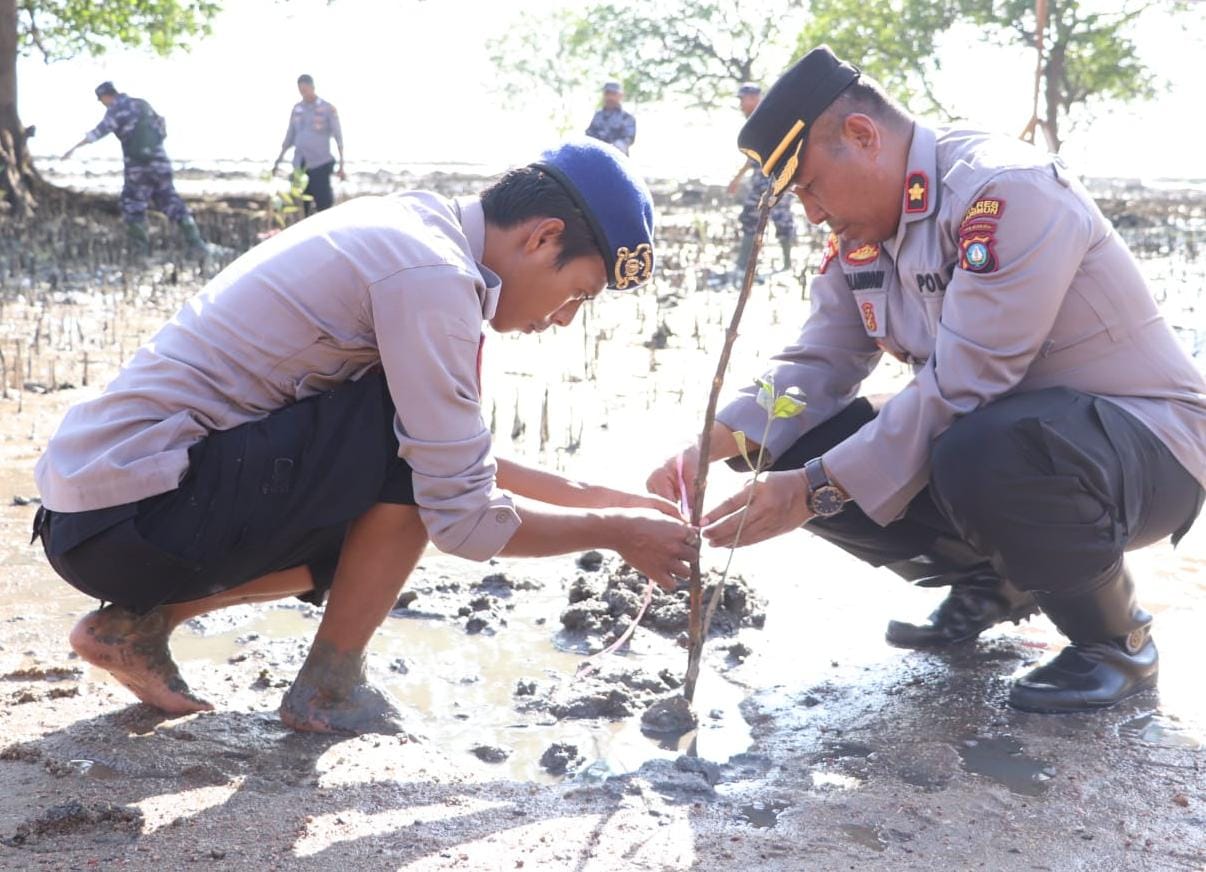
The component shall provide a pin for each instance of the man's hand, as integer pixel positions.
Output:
(609, 498)
(653, 544)
(779, 504)
(343, 176)
(664, 481)
(68, 153)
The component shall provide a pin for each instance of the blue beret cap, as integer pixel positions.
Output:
(774, 135)
(104, 89)
(615, 200)
(749, 88)
(612, 88)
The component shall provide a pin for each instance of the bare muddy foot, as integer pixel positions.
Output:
(332, 695)
(134, 650)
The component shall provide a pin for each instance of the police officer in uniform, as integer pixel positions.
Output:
(1053, 422)
(312, 417)
(313, 123)
(611, 123)
(749, 96)
(148, 172)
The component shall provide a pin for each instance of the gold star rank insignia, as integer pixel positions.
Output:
(917, 192)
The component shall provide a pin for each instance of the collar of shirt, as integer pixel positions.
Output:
(473, 222)
(920, 191)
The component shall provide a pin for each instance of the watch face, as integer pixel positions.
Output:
(826, 501)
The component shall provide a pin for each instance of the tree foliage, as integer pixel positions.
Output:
(696, 49)
(1088, 53)
(60, 29)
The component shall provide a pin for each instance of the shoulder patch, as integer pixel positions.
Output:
(976, 251)
(830, 252)
(863, 254)
(989, 208)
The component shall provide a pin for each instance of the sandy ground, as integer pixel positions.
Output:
(820, 747)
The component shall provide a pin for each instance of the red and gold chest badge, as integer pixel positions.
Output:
(863, 254)
(917, 192)
(870, 320)
(830, 252)
(977, 236)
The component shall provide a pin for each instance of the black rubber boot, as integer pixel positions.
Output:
(1111, 656)
(138, 238)
(192, 237)
(976, 602)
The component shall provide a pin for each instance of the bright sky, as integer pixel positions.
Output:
(413, 84)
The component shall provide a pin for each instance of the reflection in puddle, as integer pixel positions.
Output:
(833, 780)
(763, 814)
(1001, 759)
(1156, 729)
(868, 837)
(464, 687)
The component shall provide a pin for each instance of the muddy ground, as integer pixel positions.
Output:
(819, 747)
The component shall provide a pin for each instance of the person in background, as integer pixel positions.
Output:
(612, 124)
(313, 123)
(749, 96)
(148, 171)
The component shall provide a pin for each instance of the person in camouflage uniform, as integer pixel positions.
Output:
(148, 172)
(612, 124)
(750, 95)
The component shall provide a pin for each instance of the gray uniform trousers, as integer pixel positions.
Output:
(1047, 489)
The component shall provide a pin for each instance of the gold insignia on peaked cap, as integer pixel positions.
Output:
(769, 166)
(780, 182)
(633, 267)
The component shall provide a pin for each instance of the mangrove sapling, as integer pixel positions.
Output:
(695, 629)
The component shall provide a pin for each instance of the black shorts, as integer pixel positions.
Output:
(262, 497)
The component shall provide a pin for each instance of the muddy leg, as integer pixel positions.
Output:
(332, 693)
(134, 649)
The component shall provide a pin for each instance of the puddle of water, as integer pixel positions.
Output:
(763, 815)
(1001, 759)
(464, 687)
(1156, 729)
(867, 837)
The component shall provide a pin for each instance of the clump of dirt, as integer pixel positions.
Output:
(48, 673)
(24, 752)
(483, 605)
(490, 753)
(605, 601)
(74, 816)
(561, 757)
(670, 716)
(614, 693)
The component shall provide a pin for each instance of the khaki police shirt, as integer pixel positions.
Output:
(311, 128)
(390, 281)
(1004, 276)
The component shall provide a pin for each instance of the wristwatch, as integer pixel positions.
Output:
(824, 498)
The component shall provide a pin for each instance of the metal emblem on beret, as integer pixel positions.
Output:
(633, 267)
